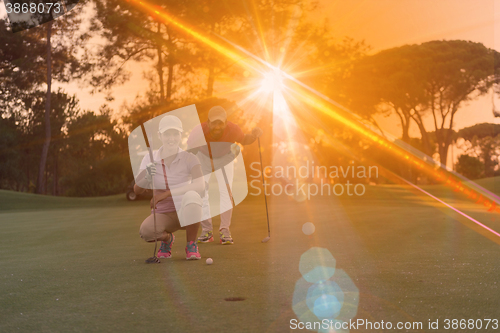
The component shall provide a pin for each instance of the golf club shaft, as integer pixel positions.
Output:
(154, 211)
(152, 185)
(227, 186)
(264, 184)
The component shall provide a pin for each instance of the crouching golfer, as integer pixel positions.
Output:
(178, 182)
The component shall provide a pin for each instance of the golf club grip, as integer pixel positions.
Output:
(147, 142)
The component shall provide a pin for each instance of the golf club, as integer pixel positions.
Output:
(154, 258)
(265, 240)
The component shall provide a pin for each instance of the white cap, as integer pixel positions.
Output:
(217, 113)
(170, 122)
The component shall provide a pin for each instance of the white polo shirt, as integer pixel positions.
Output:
(178, 174)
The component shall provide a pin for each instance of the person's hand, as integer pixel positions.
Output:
(257, 132)
(151, 172)
(235, 149)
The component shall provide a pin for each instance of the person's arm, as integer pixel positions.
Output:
(138, 189)
(145, 176)
(250, 138)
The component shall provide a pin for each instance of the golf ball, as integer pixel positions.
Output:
(210, 261)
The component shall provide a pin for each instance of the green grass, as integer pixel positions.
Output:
(12, 201)
(77, 265)
(491, 184)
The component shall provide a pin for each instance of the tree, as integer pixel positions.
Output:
(133, 35)
(10, 157)
(20, 68)
(272, 30)
(456, 72)
(31, 129)
(479, 130)
(483, 141)
(385, 83)
(469, 166)
(58, 59)
(431, 79)
(63, 109)
(95, 154)
(40, 188)
(224, 18)
(330, 66)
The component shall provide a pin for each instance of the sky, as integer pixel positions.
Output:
(390, 23)
(385, 24)
(382, 24)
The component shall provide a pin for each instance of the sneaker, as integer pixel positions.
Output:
(225, 237)
(165, 250)
(206, 238)
(192, 251)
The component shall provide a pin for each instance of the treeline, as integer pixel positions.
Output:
(87, 157)
(49, 145)
(481, 143)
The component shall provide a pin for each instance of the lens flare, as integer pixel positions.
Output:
(272, 82)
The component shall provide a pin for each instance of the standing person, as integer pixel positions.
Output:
(178, 183)
(218, 129)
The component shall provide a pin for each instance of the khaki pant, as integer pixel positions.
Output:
(189, 213)
(226, 204)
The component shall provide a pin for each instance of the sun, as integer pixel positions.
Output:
(272, 82)
(272, 85)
